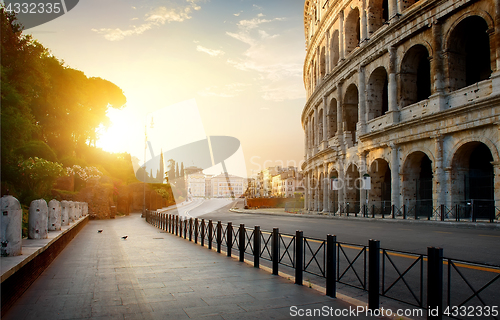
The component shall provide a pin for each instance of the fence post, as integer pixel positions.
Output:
(434, 283)
(404, 211)
(176, 225)
(219, 235)
(473, 218)
(229, 238)
(373, 274)
(185, 228)
(441, 211)
(256, 246)
(299, 258)
(202, 236)
(393, 209)
(275, 250)
(190, 229)
(196, 225)
(180, 226)
(241, 242)
(210, 233)
(331, 264)
(382, 210)
(347, 209)
(373, 211)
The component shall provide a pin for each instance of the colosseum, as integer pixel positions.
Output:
(402, 116)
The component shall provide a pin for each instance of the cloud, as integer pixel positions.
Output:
(278, 63)
(227, 91)
(211, 52)
(157, 17)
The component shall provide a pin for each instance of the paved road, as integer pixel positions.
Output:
(154, 275)
(476, 245)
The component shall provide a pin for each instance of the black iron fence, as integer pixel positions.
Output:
(455, 288)
(471, 210)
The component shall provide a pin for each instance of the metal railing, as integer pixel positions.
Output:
(470, 210)
(419, 280)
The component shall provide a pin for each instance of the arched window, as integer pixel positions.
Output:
(334, 49)
(322, 63)
(415, 77)
(469, 53)
(378, 13)
(350, 111)
(352, 31)
(377, 94)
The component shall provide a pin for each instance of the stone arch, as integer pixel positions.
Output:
(380, 193)
(417, 181)
(472, 173)
(491, 145)
(352, 188)
(332, 118)
(377, 97)
(415, 76)
(350, 111)
(333, 200)
(468, 52)
(334, 49)
(378, 14)
(352, 31)
(322, 63)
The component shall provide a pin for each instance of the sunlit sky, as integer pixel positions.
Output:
(240, 60)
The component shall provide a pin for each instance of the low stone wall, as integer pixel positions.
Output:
(267, 202)
(18, 279)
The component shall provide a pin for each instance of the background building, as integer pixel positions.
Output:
(196, 185)
(407, 92)
(222, 189)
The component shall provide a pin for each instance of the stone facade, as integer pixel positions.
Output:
(407, 92)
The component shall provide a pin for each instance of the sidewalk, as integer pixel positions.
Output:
(156, 275)
(322, 215)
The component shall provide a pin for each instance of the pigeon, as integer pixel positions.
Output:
(124, 237)
(99, 231)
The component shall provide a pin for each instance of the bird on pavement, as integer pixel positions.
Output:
(124, 237)
(99, 231)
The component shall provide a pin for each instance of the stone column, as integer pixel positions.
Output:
(395, 182)
(306, 136)
(341, 192)
(316, 133)
(306, 192)
(439, 182)
(393, 112)
(339, 109)
(496, 182)
(449, 192)
(318, 65)
(364, 24)
(341, 35)
(497, 32)
(327, 53)
(393, 9)
(325, 125)
(361, 101)
(437, 72)
(362, 169)
(326, 194)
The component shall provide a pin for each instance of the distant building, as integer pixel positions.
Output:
(222, 189)
(196, 185)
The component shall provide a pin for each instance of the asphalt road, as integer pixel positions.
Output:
(475, 245)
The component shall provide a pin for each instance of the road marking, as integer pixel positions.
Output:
(404, 229)
(488, 235)
(457, 264)
(443, 232)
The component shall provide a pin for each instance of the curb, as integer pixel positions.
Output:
(446, 224)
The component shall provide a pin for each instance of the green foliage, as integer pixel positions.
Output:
(38, 149)
(36, 177)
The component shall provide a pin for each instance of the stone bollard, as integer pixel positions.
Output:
(11, 235)
(77, 210)
(64, 213)
(71, 211)
(38, 221)
(54, 215)
(85, 209)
